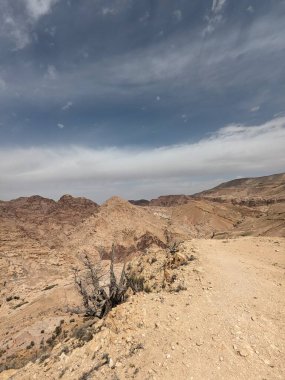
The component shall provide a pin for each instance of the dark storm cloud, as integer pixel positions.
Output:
(141, 74)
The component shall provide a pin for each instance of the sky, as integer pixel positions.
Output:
(139, 98)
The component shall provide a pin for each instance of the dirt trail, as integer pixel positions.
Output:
(241, 311)
(228, 324)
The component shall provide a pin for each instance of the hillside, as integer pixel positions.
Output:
(42, 242)
(224, 323)
(260, 189)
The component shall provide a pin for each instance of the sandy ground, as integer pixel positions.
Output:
(228, 324)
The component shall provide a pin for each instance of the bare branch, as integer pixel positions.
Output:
(96, 300)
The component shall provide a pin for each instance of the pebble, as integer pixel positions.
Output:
(111, 363)
(242, 352)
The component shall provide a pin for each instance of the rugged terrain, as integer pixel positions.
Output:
(217, 299)
(245, 190)
(227, 322)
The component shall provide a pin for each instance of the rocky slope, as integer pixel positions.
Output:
(163, 201)
(246, 191)
(225, 322)
(251, 191)
(42, 241)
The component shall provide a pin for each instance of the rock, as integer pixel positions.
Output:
(243, 352)
(198, 270)
(111, 363)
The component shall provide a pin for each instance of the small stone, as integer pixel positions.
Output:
(111, 363)
(221, 358)
(243, 353)
(167, 356)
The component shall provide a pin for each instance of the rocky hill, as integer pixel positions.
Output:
(260, 190)
(163, 200)
(244, 191)
(42, 241)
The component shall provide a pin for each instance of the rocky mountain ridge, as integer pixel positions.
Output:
(243, 191)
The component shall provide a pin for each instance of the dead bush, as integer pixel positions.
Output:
(99, 299)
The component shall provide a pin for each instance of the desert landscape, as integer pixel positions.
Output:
(142, 190)
(209, 296)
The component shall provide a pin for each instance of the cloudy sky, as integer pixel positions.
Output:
(139, 98)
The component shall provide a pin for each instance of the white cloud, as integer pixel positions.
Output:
(61, 126)
(177, 14)
(232, 151)
(144, 18)
(13, 29)
(68, 105)
(108, 11)
(218, 5)
(215, 17)
(16, 24)
(51, 73)
(2, 84)
(255, 109)
(39, 8)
